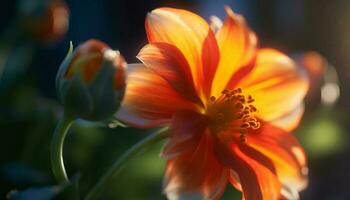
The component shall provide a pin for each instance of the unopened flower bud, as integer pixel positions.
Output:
(91, 81)
(45, 21)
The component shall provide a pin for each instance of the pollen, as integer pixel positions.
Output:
(233, 111)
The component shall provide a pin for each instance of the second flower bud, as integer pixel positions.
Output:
(91, 81)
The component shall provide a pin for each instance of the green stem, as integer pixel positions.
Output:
(57, 141)
(119, 163)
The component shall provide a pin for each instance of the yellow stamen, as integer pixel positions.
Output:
(233, 111)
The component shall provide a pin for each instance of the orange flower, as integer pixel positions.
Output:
(44, 21)
(230, 107)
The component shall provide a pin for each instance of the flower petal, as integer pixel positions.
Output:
(187, 128)
(237, 45)
(134, 120)
(290, 120)
(192, 36)
(276, 84)
(194, 173)
(250, 171)
(286, 154)
(168, 62)
(215, 23)
(234, 180)
(257, 181)
(148, 96)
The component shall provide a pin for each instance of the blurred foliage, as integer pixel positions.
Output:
(323, 135)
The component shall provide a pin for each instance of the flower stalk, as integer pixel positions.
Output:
(118, 165)
(57, 142)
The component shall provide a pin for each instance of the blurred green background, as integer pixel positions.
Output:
(29, 109)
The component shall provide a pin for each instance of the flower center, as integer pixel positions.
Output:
(232, 111)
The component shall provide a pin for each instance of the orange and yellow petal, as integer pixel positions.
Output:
(250, 171)
(134, 120)
(291, 120)
(148, 96)
(192, 35)
(257, 181)
(277, 85)
(168, 62)
(215, 23)
(237, 46)
(192, 171)
(187, 127)
(285, 153)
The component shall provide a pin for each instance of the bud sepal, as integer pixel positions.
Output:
(91, 92)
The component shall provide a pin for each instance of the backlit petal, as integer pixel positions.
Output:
(148, 96)
(237, 45)
(276, 84)
(251, 172)
(257, 181)
(187, 128)
(284, 151)
(134, 120)
(192, 36)
(234, 180)
(215, 23)
(290, 120)
(193, 172)
(168, 62)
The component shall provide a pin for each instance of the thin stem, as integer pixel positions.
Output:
(119, 163)
(57, 141)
